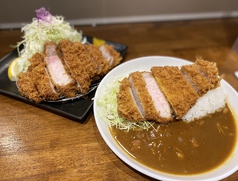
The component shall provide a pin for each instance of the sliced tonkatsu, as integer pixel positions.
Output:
(26, 84)
(197, 78)
(27, 88)
(149, 98)
(177, 89)
(143, 99)
(103, 65)
(168, 92)
(112, 56)
(84, 59)
(36, 83)
(127, 105)
(58, 72)
(210, 71)
(64, 70)
(72, 58)
(41, 79)
(160, 102)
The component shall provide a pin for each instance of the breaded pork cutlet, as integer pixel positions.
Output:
(86, 60)
(73, 60)
(210, 71)
(81, 55)
(27, 88)
(160, 102)
(196, 78)
(179, 92)
(142, 97)
(26, 84)
(103, 65)
(127, 107)
(66, 69)
(58, 72)
(41, 78)
(112, 56)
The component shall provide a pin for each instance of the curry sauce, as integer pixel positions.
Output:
(180, 147)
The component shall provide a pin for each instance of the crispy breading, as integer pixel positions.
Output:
(43, 83)
(160, 102)
(86, 60)
(35, 84)
(178, 91)
(80, 51)
(127, 107)
(74, 57)
(26, 86)
(210, 70)
(41, 79)
(35, 60)
(63, 70)
(116, 57)
(103, 66)
(198, 80)
(138, 86)
(58, 72)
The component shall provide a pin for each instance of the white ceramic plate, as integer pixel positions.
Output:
(145, 63)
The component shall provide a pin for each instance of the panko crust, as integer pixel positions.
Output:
(198, 80)
(178, 91)
(126, 104)
(64, 70)
(144, 97)
(210, 70)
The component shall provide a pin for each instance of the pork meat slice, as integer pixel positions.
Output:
(142, 97)
(109, 53)
(179, 92)
(127, 107)
(160, 102)
(96, 55)
(42, 80)
(58, 72)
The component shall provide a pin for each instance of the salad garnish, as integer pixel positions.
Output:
(107, 109)
(44, 28)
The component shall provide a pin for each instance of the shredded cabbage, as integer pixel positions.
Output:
(107, 109)
(43, 29)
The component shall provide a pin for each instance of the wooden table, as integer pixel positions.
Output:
(39, 145)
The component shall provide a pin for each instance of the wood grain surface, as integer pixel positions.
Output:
(38, 145)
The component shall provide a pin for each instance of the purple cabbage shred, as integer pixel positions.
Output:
(43, 15)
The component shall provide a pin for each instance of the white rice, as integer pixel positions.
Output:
(213, 101)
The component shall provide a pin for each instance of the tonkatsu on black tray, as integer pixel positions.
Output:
(77, 109)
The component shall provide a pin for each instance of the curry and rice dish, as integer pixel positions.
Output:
(180, 147)
(174, 119)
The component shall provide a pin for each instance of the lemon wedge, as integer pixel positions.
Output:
(14, 70)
